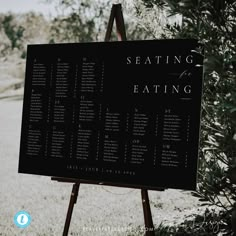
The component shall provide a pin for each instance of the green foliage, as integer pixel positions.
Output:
(13, 32)
(87, 20)
(18, 30)
(210, 223)
(213, 22)
(74, 23)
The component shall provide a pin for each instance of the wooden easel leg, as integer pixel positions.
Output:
(73, 199)
(147, 213)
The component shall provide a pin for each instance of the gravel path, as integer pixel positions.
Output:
(99, 210)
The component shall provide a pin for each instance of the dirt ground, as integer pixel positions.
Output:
(99, 210)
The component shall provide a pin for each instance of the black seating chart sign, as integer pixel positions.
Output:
(126, 113)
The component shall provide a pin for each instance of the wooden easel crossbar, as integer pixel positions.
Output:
(117, 15)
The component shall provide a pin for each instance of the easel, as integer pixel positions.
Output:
(117, 15)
